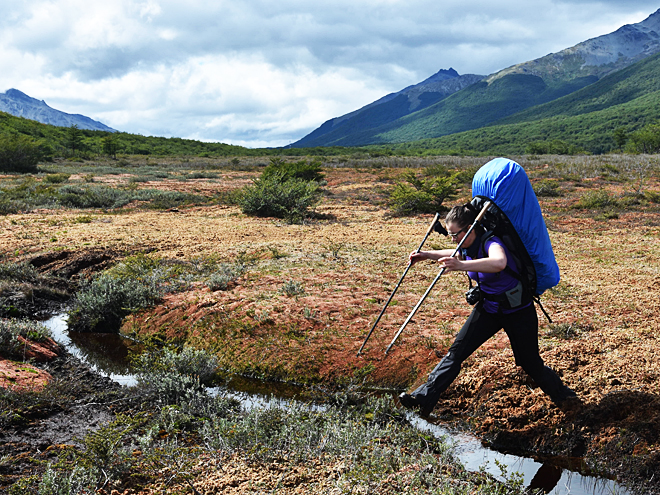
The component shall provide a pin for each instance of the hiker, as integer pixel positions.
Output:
(490, 265)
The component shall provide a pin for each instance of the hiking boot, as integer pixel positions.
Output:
(570, 405)
(411, 402)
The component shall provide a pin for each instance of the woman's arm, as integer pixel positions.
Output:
(494, 263)
(429, 255)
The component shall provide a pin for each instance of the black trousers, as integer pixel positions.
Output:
(522, 330)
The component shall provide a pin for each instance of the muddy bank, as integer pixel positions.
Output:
(40, 425)
(38, 285)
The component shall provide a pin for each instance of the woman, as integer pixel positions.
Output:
(490, 265)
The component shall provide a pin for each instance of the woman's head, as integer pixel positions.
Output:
(461, 216)
(458, 220)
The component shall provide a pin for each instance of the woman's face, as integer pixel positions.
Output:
(457, 233)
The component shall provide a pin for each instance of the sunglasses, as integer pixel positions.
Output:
(455, 235)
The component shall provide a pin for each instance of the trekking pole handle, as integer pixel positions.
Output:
(428, 233)
(482, 212)
(428, 291)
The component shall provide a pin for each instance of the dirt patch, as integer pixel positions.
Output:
(38, 425)
(80, 264)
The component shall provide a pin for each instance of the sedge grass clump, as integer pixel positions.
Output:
(176, 377)
(292, 288)
(18, 272)
(225, 275)
(10, 331)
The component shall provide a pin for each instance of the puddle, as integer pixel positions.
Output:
(107, 354)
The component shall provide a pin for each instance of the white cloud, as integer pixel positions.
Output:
(258, 72)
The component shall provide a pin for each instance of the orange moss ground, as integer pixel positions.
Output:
(22, 376)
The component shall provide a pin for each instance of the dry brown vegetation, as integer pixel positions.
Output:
(344, 263)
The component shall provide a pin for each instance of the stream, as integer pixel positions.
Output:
(107, 354)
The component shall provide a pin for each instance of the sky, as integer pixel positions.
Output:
(264, 73)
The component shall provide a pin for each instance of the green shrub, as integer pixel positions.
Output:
(20, 272)
(101, 305)
(56, 178)
(289, 200)
(11, 329)
(292, 288)
(413, 194)
(593, 200)
(176, 377)
(652, 196)
(78, 480)
(92, 197)
(282, 171)
(136, 283)
(19, 153)
(203, 175)
(547, 188)
(226, 273)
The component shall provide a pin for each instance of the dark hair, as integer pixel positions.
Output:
(463, 215)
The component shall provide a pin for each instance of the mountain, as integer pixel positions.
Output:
(587, 118)
(390, 108)
(19, 104)
(512, 90)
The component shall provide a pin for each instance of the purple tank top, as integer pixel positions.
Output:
(496, 283)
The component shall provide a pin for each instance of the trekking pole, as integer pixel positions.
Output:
(412, 313)
(435, 220)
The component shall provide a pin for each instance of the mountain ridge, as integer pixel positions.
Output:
(390, 107)
(18, 104)
(502, 94)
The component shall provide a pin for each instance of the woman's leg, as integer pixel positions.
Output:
(479, 327)
(522, 329)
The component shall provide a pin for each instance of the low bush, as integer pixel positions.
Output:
(11, 329)
(136, 283)
(29, 194)
(413, 194)
(270, 197)
(547, 188)
(92, 197)
(282, 171)
(56, 178)
(175, 377)
(18, 272)
(652, 196)
(226, 274)
(291, 288)
(19, 153)
(101, 305)
(593, 200)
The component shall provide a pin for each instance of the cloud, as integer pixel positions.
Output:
(259, 72)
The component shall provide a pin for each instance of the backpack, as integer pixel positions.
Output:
(515, 217)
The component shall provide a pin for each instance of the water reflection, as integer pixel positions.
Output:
(107, 354)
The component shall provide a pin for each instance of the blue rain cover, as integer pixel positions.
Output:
(505, 183)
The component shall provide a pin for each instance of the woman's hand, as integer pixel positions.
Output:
(417, 256)
(451, 264)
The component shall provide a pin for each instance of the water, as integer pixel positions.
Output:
(107, 354)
